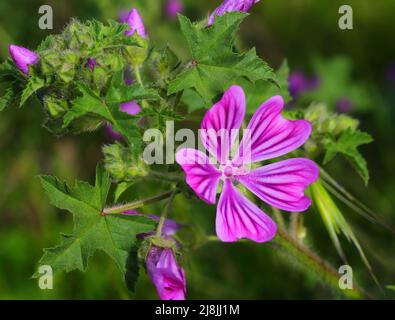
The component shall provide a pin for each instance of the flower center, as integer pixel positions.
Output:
(228, 171)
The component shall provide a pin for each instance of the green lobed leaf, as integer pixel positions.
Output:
(115, 234)
(33, 85)
(215, 65)
(347, 144)
(261, 90)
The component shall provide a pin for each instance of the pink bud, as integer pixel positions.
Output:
(231, 6)
(136, 24)
(23, 57)
(165, 273)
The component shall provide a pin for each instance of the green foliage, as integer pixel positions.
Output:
(334, 220)
(347, 144)
(336, 82)
(336, 134)
(215, 65)
(115, 234)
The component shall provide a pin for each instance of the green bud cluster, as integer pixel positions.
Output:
(122, 164)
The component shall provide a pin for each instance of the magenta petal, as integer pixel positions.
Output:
(23, 57)
(201, 175)
(270, 135)
(165, 273)
(230, 6)
(130, 107)
(222, 122)
(282, 184)
(238, 217)
(136, 24)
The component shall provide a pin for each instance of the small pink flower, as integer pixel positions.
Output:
(279, 184)
(136, 24)
(173, 7)
(23, 57)
(230, 6)
(165, 273)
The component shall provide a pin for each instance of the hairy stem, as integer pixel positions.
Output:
(310, 260)
(314, 262)
(168, 176)
(139, 203)
(165, 213)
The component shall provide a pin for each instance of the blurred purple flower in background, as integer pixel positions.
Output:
(300, 83)
(23, 57)
(136, 24)
(91, 63)
(230, 6)
(344, 105)
(173, 7)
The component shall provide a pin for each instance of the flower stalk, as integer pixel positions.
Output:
(165, 212)
(139, 203)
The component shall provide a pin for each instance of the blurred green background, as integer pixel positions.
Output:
(354, 63)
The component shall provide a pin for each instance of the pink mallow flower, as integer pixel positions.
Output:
(136, 24)
(23, 57)
(231, 6)
(165, 273)
(280, 184)
(173, 7)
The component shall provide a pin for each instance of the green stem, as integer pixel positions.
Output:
(138, 204)
(279, 218)
(165, 212)
(168, 176)
(177, 99)
(138, 75)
